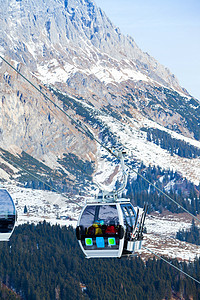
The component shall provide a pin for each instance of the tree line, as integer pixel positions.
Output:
(45, 262)
(179, 189)
(165, 141)
(191, 236)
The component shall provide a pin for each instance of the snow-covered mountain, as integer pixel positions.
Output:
(74, 54)
(105, 81)
(70, 37)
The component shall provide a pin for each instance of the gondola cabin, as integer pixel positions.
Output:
(7, 215)
(109, 229)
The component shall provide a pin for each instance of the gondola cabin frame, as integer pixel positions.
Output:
(104, 229)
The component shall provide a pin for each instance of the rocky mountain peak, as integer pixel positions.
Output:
(79, 33)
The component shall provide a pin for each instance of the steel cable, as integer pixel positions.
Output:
(169, 263)
(87, 132)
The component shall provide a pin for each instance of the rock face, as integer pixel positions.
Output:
(29, 122)
(75, 36)
(73, 46)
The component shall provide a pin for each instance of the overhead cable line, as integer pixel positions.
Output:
(57, 191)
(169, 263)
(92, 137)
(56, 105)
(87, 132)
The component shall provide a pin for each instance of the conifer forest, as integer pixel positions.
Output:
(45, 262)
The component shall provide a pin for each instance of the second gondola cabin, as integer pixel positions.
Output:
(109, 229)
(7, 215)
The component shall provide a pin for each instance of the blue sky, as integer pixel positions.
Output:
(168, 30)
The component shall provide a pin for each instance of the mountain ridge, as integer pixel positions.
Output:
(80, 22)
(74, 47)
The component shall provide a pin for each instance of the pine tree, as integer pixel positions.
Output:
(25, 209)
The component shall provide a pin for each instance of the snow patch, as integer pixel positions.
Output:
(149, 153)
